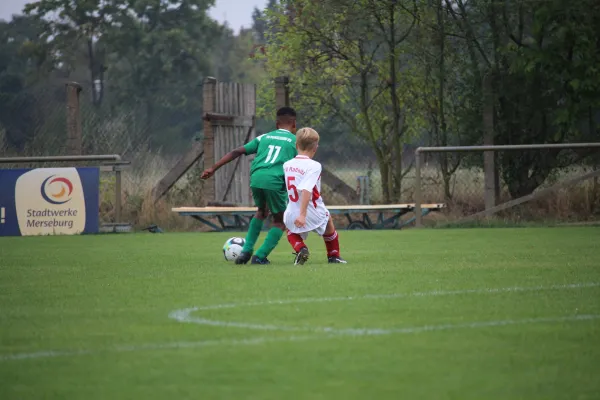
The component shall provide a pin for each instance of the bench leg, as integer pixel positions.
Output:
(232, 223)
(381, 223)
(207, 222)
(367, 221)
(241, 222)
(424, 212)
(349, 218)
(222, 222)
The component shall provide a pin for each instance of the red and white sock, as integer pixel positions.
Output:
(332, 244)
(296, 241)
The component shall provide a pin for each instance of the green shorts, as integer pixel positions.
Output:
(274, 200)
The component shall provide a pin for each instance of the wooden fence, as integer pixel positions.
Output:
(228, 123)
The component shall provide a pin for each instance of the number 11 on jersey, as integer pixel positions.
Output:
(277, 150)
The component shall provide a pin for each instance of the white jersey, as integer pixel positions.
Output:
(303, 173)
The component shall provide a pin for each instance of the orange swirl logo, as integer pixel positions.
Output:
(57, 190)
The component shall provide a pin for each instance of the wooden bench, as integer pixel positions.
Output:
(238, 218)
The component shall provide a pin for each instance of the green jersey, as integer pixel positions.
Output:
(272, 150)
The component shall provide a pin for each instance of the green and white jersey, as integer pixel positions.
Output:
(272, 150)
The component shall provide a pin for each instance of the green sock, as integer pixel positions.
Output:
(252, 235)
(270, 242)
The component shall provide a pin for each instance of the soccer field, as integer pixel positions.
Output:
(416, 314)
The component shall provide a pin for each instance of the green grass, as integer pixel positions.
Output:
(88, 318)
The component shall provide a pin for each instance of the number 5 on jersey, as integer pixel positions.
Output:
(277, 150)
(292, 190)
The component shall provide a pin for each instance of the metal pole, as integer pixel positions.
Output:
(117, 195)
(509, 147)
(418, 194)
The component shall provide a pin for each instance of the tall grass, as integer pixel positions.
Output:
(580, 202)
(138, 204)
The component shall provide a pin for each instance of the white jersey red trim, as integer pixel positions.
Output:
(303, 173)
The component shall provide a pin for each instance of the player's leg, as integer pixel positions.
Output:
(277, 202)
(300, 248)
(256, 225)
(332, 243)
(296, 240)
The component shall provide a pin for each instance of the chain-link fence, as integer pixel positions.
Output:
(457, 180)
(151, 135)
(33, 121)
(546, 186)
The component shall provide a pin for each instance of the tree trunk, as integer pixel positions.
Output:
(383, 162)
(384, 169)
(516, 168)
(443, 129)
(447, 192)
(396, 177)
(398, 171)
(381, 154)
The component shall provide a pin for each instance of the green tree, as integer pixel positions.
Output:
(554, 93)
(146, 57)
(156, 66)
(23, 60)
(346, 59)
(71, 25)
(542, 60)
(446, 95)
(260, 24)
(233, 59)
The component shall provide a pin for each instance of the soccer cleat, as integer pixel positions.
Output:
(243, 258)
(336, 260)
(257, 260)
(301, 256)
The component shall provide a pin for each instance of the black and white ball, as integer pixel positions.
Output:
(233, 248)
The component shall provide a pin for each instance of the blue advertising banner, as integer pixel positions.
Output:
(49, 201)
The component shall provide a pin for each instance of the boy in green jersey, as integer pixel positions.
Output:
(267, 182)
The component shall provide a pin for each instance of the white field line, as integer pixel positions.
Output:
(185, 315)
(263, 340)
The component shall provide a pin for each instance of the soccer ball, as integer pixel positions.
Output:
(232, 248)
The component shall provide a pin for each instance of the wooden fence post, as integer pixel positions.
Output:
(74, 142)
(489, 157)
(209, 89)
(282, 92)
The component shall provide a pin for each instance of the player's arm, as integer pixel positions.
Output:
(306, 189)
(227, 158)
(249, 148)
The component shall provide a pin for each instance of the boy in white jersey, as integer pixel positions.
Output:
(305, 210)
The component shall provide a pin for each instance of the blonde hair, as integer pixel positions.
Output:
(307, 139)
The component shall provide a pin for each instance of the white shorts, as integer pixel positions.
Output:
(315, 222)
